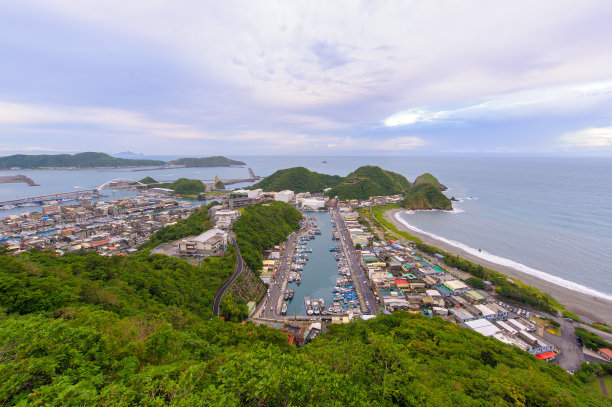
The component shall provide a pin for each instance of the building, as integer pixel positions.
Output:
(284, 196)
(313, 204)
(606, 353)
(482, 326)
(224, 219)
(209, 243)
(238, 199)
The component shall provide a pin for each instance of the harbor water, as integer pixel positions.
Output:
(320, 271)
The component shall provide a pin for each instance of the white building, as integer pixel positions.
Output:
(255, 193)
(313, 204)
(208, 243)
(284, 196)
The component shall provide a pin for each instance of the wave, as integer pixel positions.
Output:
(502, 261)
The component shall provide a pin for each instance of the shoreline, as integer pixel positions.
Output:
(594, 308)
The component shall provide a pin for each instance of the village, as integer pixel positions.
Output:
(376, 275)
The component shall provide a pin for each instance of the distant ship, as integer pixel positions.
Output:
(324, 162)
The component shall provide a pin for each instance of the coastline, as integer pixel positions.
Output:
(597, 309)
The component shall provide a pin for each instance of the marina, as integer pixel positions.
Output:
(314, 270)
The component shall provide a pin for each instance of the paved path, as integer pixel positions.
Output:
(228, 283)
(364, 291)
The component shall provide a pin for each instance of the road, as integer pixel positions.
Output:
(571, 357)
(277, 286)
(224, 287)
(364, 291)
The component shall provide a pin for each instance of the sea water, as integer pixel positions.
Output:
(540, 215)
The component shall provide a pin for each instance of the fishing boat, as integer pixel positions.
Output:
(284, 309)
(308, 305)
(286, 295)
(316, 307)
(291, 293)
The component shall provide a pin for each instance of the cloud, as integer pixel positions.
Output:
(550, 100)
(592, 137)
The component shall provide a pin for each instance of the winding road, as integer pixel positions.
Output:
(228, 283)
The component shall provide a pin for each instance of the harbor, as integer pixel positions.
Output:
(318, 273)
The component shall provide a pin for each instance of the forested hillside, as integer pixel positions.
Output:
(214, 161)
(369, 181)
(81, 160)
(298, 179)
(195, 224)
(426, 196)
(261, 227)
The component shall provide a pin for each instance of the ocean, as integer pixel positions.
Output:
(551, 217)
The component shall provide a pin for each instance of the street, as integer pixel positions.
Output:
(364, 291)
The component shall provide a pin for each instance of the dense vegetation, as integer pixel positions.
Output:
(298, 179)
(369, 181)
(185, 186)
(505, 287)
(195, 224)
(153, 352)
(215, 161)
(148, 180)
(81, 160)
(263, 226)
(591, 340)
(427, 178)
(426, 196)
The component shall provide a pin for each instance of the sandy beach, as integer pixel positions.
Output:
(596, 309)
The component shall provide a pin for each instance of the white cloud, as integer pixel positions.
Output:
(592, 137)
(551, 100)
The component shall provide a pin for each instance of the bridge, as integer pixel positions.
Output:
(120, 183)
(72, 195)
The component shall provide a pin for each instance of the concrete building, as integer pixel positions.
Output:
(224, 219)
(208, 243)
(284, 196)
(313, 204)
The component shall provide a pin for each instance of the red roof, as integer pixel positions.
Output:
(546, 355)
(403, 282)
(606, 352)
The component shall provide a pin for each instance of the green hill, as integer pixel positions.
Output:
(215, 161)
(369, 181)
(426, 196)
(81, 160)
(185, 186)
(427, 178)
(262, 226)
(298, 179)
(84, 329)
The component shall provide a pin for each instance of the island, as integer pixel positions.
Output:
(364, 182)
(298, 179)
(97, 160)
(214, 161)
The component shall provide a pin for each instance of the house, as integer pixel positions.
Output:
(208, 243)
(284, 196)
(606, 353)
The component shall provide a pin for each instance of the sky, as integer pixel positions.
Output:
(187, 77)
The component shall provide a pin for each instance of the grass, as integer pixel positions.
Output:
(379, 212)
(602, 328)
(608, 382)
(571, 315)
(555, 330)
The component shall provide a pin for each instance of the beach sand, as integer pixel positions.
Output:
(594, 308)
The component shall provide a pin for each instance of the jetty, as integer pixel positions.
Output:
(14, 179)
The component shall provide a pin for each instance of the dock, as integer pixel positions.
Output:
(13, 179)
(72, 195)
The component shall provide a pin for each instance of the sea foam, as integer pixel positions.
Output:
(502, 261)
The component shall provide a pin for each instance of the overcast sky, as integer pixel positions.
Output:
(306, 77)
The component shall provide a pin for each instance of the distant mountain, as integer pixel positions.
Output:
(81, 160)
(298, 179)
(427, 178)
(215, 161)
(426, 196)
(369, 181)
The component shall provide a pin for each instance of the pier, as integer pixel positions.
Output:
(10, 179)
(72, 195)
